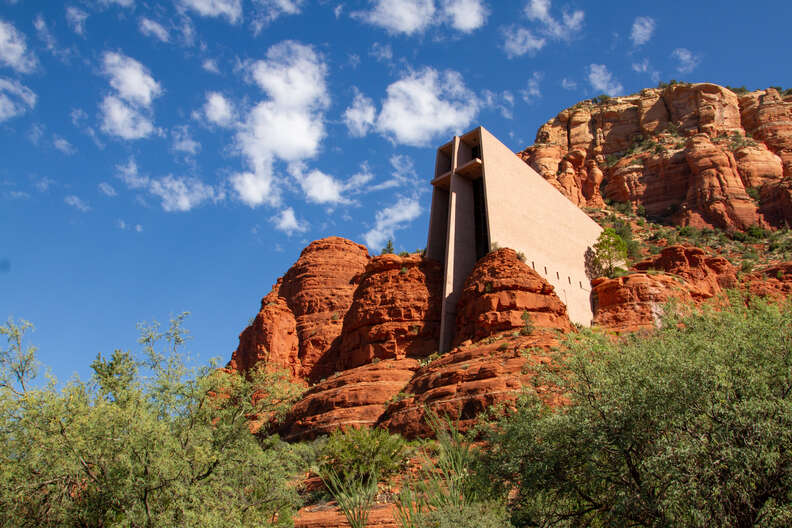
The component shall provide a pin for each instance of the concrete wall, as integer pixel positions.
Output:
(438, 225)
(529, 215)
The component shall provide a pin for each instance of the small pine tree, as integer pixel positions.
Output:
(388, 248)
(610, 249)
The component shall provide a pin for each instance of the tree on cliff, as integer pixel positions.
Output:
(690, 427)
(147, 442)
(610, 250)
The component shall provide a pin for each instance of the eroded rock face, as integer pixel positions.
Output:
(301, 318)
(499, 292)
(682, 153)
(488, 366)
(636, 301)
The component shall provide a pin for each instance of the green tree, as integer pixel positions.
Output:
(610, 250)
(146, 442)
(388, 248)
(690, 427)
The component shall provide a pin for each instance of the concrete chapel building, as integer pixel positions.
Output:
(485, 195)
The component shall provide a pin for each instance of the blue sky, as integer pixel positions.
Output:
(159, 157)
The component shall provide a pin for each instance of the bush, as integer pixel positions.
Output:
(365, 452)
(477, 515)
(689, 427)
(610, 249)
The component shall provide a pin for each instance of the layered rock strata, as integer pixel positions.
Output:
(689, 154)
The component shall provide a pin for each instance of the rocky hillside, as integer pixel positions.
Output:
(686, 154)
(680, 167)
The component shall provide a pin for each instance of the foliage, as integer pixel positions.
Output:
(476, 515)
(754, 193)
(354, 493)
(528, 326)
(690, 427)
(363, 453)
(388, 248)
(146, 442)
(600, 99)
(610, 250)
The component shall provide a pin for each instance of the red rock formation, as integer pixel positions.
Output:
(350, 398)
(473, 377)
(499, 291)
(380, 516)
(302, 315)
(700, 181)
(636, 301)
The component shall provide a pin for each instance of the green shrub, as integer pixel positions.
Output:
(688, 427)
(753, 192)
(528, 326)
(388, 248)
(365, 452)
(477, 515)
(610, 249)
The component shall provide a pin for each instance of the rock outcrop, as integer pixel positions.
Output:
(507, 317)
(689, 154)
(636, 301)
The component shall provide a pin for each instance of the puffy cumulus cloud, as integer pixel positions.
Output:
(603, 81)
(230, 9)
(217, 110)
(464, 15)
(324, 189)
(425, 104)
(389, 220)
(687, 61)
(123, 120)
(566, 28)
(151, 28)
(176, 194)
(359, 116)
(128, 113)
(518, 41)
(642, 30)
(289, 126)
(78, 203)
(14, 52)
(15, 99)
(131, 79)
(400, 16)
(415, 16)
(287, 222)
(75, 18)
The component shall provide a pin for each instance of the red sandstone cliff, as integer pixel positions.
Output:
(687, 153)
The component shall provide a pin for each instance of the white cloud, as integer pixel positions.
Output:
(381, 52)
(13, 49)
(46, 36)
(337, 10)
(686, 59)
(359, 117)
(183, 141)
(15, 99)
(641, 67)
(289, 126)
(425, 104)
(36, 133)
(269, 10)
(570, 24)
(465, 15)
(176, 194)
(287, 222)
(390, 219)
(151, 28)
(123, 120)
(63, 145)
(76, 18)
(519, 40)
(322, 188)
(122, 3)
(503, 102)
(230, 9)
(532, 90)
(107, 189)
(131, 79)
(642, 30)
(138, 228)
(602, 80)
(403, 174)
(568, 84)
(400, 16)
(210, 65)
(218, 110)
(121, 224)
(78, 203)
